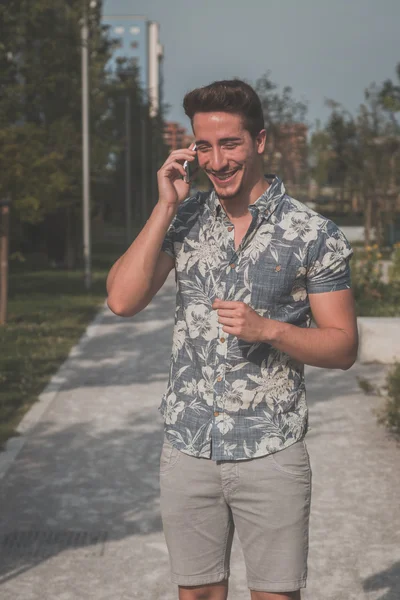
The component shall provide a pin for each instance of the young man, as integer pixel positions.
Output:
(252, 266)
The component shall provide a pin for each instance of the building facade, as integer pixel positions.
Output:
(176, 136)
(138, 40)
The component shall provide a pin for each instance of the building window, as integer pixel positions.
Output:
(135, 30)
(134, 44)
(119, 30)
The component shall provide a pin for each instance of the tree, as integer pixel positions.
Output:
(341, 130)
(40, 111)
(40, 116)
(377, 143)
(390, 97)
(284, 117)
(361, 155)
(320, 155)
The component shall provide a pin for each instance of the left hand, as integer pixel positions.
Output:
(242, 321)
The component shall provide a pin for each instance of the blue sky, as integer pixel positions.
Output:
(321, 48)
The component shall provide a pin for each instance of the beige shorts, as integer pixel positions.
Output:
(267, 499)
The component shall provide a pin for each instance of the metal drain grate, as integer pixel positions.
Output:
(49, 542)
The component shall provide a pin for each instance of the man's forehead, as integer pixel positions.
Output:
(218, 126)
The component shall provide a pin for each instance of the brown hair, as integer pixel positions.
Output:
(233, 96)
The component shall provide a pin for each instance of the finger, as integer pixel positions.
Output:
(227, 321)
(192, 145)
(182, 154)
(226, 313)
(217, 303)
(230, 329)
(174, 166)
(226, 304)
(183, 159)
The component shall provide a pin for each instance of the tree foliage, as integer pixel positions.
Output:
(40, 121)
(360, 155)
(284, 116)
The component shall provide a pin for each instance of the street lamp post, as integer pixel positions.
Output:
(144, 164)
(128, 166)
(4, 236)
(86, 147)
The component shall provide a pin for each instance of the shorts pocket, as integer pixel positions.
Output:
(292, 460)
(169, 456)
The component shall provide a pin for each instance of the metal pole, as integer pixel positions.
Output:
(153, 166)
(85, 150)
(144, 167)
(128, 167)
(4, 233)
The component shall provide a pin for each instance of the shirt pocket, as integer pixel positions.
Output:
(271, 285)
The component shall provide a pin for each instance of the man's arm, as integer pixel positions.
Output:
(138, 275)
(141, 271)
(332, 345)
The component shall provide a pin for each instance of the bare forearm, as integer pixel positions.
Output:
(330, 348)
(130, 278)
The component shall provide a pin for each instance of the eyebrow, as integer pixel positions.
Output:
(221, 141)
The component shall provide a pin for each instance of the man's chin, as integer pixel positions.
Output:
(227, 193)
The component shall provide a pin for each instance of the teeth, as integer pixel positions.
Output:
(226, 176)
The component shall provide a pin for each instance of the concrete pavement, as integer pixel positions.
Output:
(79, 496)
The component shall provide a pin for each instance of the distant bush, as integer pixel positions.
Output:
(394, 269)
(374, 297)
(389, 415)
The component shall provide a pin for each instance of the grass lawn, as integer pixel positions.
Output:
(48, 311)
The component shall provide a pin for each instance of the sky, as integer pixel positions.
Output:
(321, 48)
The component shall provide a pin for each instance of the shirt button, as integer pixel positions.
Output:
(216, 413)
(230, 228)
(222, 340)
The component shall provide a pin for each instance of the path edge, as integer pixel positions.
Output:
(14, 445)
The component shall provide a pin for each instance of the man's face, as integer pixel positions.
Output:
(227, 152)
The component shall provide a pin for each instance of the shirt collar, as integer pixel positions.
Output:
(264, 205)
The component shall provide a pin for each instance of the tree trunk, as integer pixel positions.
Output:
(70, 240)
(367, 218)
(378, 222)
(4, 239)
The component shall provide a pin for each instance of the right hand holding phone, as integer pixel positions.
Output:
(172, 188)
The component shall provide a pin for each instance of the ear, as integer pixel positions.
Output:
(261, 140)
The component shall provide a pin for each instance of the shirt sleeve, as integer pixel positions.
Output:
(329, 261)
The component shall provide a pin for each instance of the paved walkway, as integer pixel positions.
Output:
(79, 497)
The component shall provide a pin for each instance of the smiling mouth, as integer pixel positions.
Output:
(223, 177)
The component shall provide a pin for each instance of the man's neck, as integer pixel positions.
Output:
(238, 207)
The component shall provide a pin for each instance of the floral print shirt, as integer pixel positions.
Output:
(228, 399)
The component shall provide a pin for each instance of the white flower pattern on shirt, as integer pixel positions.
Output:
(201, 321)
(227, 399)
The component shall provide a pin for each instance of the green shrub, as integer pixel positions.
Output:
(394, 269)
(389, 415)
(374, 297)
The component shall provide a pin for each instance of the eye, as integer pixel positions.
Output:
(230, 146)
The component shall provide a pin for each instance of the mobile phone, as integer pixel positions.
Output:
(190, 167)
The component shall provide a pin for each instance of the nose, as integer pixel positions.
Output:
(217, 160)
